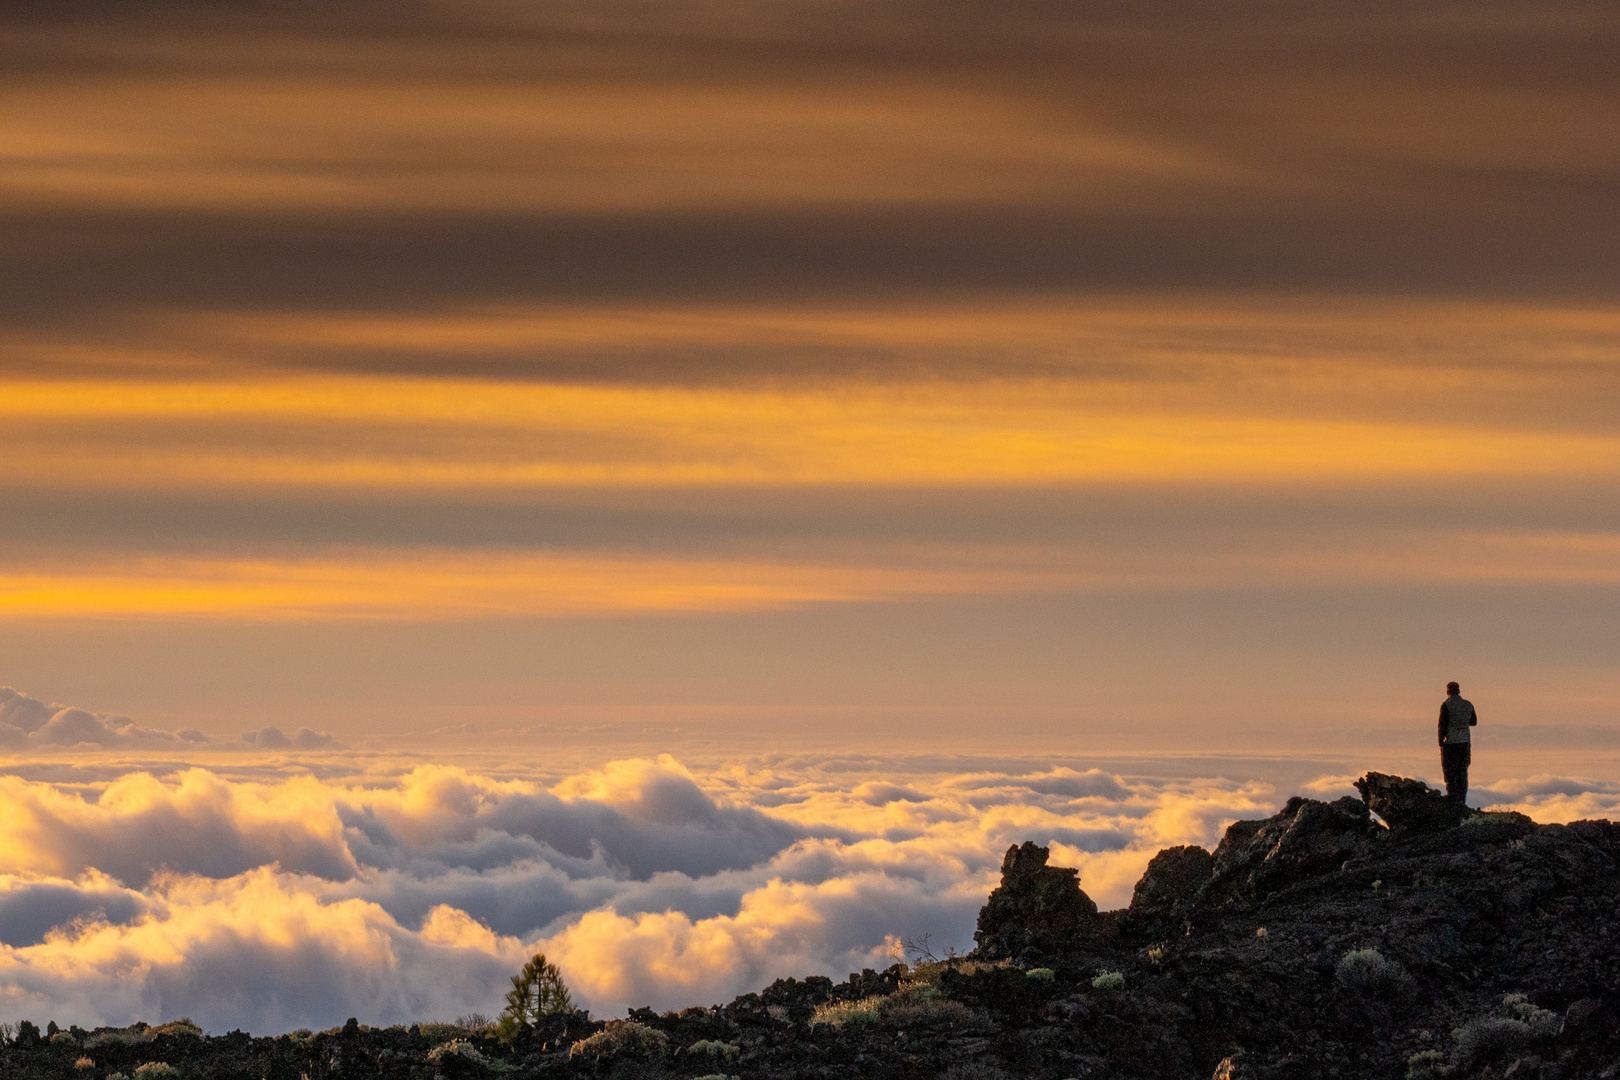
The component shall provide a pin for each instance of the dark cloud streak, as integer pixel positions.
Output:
(1452, 150)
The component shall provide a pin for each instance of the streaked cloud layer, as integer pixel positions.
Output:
(967, 367)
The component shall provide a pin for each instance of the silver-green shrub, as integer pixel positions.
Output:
(715, 1048)
(1108, 980)
(620, 1037)
(1490, 1037)
(860, 1013)
(460, 1048)
(1543, 1022)
(1369, 972)
(1427, 1065)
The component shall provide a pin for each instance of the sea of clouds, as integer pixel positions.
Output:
(274, 897)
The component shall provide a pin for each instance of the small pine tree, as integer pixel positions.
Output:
(537, 991)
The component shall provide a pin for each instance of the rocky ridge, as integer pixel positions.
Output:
(1428, 941)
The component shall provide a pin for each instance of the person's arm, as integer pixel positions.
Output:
(1442, 723)
(1473, 715)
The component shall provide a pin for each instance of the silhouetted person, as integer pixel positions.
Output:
(1456, 717)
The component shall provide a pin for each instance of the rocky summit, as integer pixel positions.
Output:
(1398, 935)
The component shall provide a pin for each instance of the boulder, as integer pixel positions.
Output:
(1410, 806)
(1172, 881)
(1036, 911)
(1306, 839)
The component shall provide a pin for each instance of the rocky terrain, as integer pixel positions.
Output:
(1323, 941)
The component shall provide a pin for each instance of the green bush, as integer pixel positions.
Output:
(716, 1048)
(1490, 1037)
(1369, 972)
(856, 1013)
(620, 1037)
(1543, 1022)
(1108, 980)
(1497, 817)
(1041, 974)
(456, 1048)
(1427, 1065)
(155, 1070)
(925, 1010)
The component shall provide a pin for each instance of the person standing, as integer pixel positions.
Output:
(1456, 717)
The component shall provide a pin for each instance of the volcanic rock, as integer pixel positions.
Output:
(1410, 805)
(1037, 911)
(1305, 839)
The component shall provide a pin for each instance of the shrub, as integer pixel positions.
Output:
(1041, 974)
(1496, 817)
(974, 1070)
(716, 1048)
(838, 1013)
(155, 1070)
(1489, 1037)
(64, 1038)
(1155, 955)
(1543, 1022)
(1108, 980)
(927, 974)
(456, 1048)
(1368, 971)
(1497, 1036)
(84, 1063)
(1427, 1065)
(927, 1010)
(620, 1037)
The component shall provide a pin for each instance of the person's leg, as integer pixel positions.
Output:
(1448, 767)
(1465, 756)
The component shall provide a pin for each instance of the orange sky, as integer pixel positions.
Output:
(682, 487)
(1094, 369)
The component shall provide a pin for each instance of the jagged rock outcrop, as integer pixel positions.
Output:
(1038, 911)
(1305, 839)
(1173, 881)
(1410, 805)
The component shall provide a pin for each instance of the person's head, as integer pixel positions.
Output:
(1453, 688)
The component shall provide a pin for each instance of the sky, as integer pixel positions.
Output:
(437, 438)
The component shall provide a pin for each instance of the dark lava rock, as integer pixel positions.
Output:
(1172, 880)
(1038, 911)
(1410, 805)
(1305, 839)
